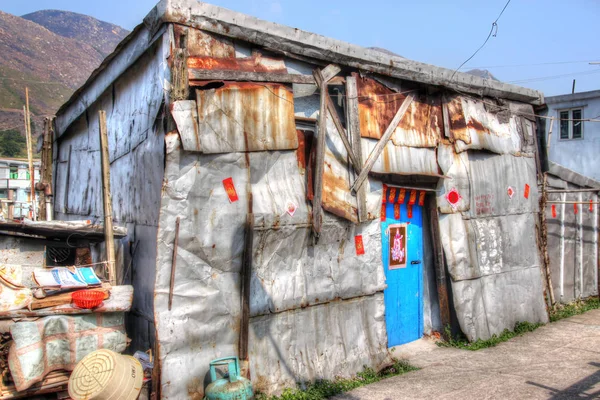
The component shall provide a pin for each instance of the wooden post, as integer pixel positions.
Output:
(174, 263)
(440, 269)
(30, 153)
(381, 144)
(11, 206)
(246, 278)
(544, 240)
(353, 123)
(319, 160)
(46, 170)
(107, 199)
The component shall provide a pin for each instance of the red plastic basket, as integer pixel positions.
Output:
(87, 298)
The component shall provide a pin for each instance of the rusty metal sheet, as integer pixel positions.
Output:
(246, 117)
(335, 340)
(336, 177)
(185, 114)
(402, 160)
(477, 125)
(422, 125)
(200, 43)
(256, 63)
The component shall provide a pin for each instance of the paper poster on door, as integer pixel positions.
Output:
(397, 245)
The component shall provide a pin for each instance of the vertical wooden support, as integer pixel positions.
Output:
(107, 199)
(544, 241)
(180, 87)
(246, 275)
(440, 268)
(174, 263)
(46, 170)
(11, 205)
(353, 123)
(320, 158)
(30, 154)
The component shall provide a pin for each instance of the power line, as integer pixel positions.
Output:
(543, 78)
(493, 32)
(530, 65)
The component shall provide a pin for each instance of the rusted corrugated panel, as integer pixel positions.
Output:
(200, 43)
(336, 177)
(421, 126)
(246, 117)
(481, 126)
(256, 63)
(402, 160)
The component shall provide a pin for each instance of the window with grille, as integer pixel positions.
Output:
(571, 124)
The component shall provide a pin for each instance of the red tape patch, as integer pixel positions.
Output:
(358, 243)
(230, 189)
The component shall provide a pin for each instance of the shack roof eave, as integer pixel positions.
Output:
(58, 230)
(276, 37)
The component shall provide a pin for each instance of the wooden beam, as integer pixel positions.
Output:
(180, 88)
(107, 199)
(11, 206)
(440, 267)
(174, 262)
(329, 72)
(319, 158)
(246, 280)
(353, 123)
(381, 144)
(340, 128)
(30, 154)
(220, 75)
(446, 118)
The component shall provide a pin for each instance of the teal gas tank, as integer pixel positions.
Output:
(233, 386)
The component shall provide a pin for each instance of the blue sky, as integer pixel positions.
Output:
(443, 33)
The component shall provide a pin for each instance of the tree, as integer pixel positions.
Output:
(12, 144)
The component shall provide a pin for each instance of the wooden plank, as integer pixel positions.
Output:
(46, 171)
(381, 144)
(220, 75)
(438, 257)
(107, 200)
(120, 300)
(61, 299)
(11, 205)
(319, 159)
(180, 88)
(446, 118)
(353, 123)
(174, 262)
(30, 154)
(246, 275)
(340, 128)
(329, 72)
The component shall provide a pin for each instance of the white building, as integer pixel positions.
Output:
(14, 175)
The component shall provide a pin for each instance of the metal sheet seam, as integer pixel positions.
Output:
(563, 198)
(580, 234)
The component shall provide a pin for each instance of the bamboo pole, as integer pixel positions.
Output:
(107, 199)
(174, 263)
(30, 153)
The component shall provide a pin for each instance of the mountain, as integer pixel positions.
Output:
(483, 73)
(101, 35)
(52, 53)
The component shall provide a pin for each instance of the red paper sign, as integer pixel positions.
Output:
(591, 206)
(396, 211)
(576, 208)
(453, 198)
(382, 212)
(401, 196)
(392, 195)
(510, 192)
(409, 210)
(413, 197)
(358, 243)
(397, 251)
(384, 197)
(526, 192)
(553, 210)
(230, 189)
(422, 198)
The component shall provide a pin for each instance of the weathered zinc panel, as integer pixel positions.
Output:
(477, 125)
(246, 117)
(321, 342)
(456, 168)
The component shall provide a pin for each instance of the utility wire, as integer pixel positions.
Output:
(529, 65)
(543, 78)
(493, 32)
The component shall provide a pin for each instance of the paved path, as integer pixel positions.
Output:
(557, 361)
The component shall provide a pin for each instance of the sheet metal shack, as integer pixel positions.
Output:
(216, 118)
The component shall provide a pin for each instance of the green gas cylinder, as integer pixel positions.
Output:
(233, 386)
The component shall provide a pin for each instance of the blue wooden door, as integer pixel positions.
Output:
(404, 294)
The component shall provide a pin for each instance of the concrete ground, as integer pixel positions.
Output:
(558, 361)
